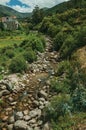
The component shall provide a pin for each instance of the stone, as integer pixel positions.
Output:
(41, 107)
(33, 121)
(4, 93)
(26, 112)
(13, 103)
(29, 128)
(46, 126)
(11, 120)
(40, 122)
(20, 125)
(10, 99)
(5, 118)
(35, 112)
(36, 102)
(42, 99)
(27, 118)
(36, 128)
(19, 115)
(43, 94)
(2, 87)
(41, 103)
(10, 127)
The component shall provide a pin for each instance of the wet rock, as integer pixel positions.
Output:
(19, 116)
(20, 125)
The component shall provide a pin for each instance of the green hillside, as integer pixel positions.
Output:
(7, 11)
(65, 6)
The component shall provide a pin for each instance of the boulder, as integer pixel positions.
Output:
(20, 125)
(35, 112)
(10, 127)
(11, 120)
(46, 127)
(19, 115)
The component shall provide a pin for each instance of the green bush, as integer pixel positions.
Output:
(30, 56)
(9, 53)
(59, 40)
(68, 47)
(52, 30)
(35, 42)
(59, 106)
(18, 65)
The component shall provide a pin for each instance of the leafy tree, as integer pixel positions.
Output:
(37, 15)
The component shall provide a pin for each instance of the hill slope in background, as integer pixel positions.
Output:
(65, 6)
(7, 11)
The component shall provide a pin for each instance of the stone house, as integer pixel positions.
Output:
(10, 23)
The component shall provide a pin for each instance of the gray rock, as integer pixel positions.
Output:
(10, 99)
(10, 127)
(35, 112)
(11, 120)
(41, 103)
(2, 87)
(43, 94)
(29, 128)
(4, 93)
(26, 112)
(46, 127)
(19, 116)
(36, 128)
(36, 102)
(20, 125)
(41, 107)
(33, 121)
(42, 99)
(13, 103)
(27, 118)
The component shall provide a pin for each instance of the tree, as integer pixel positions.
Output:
(37, 15)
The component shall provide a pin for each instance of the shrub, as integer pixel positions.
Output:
(68, 47)
(30, 56)
(52, 30)
(59, 106)
(18, 64)
(34, 42)
(10, 53)
(59, 40)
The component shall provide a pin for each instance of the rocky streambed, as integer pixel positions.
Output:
(23, 97)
